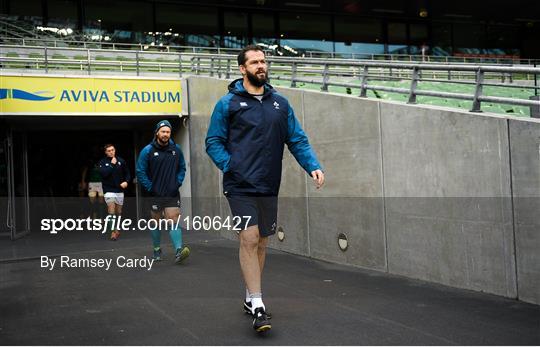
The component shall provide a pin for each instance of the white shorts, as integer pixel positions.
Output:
(95, 188)
(117, 198)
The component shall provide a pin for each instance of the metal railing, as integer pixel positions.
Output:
(362, 76)
(57, 43)
(30, 41)
(446, 59)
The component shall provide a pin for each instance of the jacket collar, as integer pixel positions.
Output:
(237, 87)
(156, 145)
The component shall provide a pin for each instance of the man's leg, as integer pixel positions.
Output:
(101, 202)
(250, 263)
(92, 197)
(249, 258)
(117, 210)
(111, 220)
(156, 235)
(172, 214)
(261, 252)
(261, 255)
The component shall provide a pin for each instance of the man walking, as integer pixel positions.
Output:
(91, 181)
(115, 176)
(161, 169)
(246, 137)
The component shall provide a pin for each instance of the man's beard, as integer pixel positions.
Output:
(256, 81)
(162, 140)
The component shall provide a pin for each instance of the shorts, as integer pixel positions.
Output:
(158, 203)
(95, 188)
(255, 210)
(117, 198)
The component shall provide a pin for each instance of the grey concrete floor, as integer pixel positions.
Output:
(199, 302)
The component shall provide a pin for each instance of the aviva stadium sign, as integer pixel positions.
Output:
(99, 96)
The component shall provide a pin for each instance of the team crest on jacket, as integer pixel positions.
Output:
(173, 152)
(276, 105)
(156, 154)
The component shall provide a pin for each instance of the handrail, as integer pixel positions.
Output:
(323, 72)
(311, 54)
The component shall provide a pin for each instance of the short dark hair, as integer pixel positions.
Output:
(242, 55)
(107, 146)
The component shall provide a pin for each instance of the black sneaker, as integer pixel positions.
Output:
(247, 310)
(260, 320)
(181, 254)
(157, 254)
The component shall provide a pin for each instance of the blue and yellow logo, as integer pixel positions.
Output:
(24, 95)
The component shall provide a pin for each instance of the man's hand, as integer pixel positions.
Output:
(123, 185)
(318, 178)
(114, 161)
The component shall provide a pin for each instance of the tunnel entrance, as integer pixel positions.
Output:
(43, 160)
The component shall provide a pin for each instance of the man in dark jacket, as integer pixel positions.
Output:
(246, 137)
(160, 170)
(115, 176)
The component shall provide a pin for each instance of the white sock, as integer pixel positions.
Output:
(248, 297)
(256, 301)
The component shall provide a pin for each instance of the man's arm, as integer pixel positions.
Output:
(126, 174)
(299, 146)
(142, 168)
(216, 137)
(181, 166)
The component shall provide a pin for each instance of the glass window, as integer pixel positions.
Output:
(469, 35)
(397, 49)
(441, 35)
(27, 8)
(503, 37)
(303, 4)
(397, 33)
(362, 50)
(187, 20)
(62, 13)
(418, 33)
(304, 26)
(347, 6)
(124, 15)
(235, 23)
(354, 29)
(263, 25)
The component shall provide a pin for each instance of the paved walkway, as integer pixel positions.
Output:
(199, 303)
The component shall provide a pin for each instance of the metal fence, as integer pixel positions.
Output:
(58, 43)
(362, 76)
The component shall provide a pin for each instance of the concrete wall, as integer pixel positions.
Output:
(429, 193)
(346, 136)
(525, 155)
(203, 93)
(447, 198)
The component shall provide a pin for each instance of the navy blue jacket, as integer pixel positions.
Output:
(246, 138)
(161, 170)
(113, 174)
